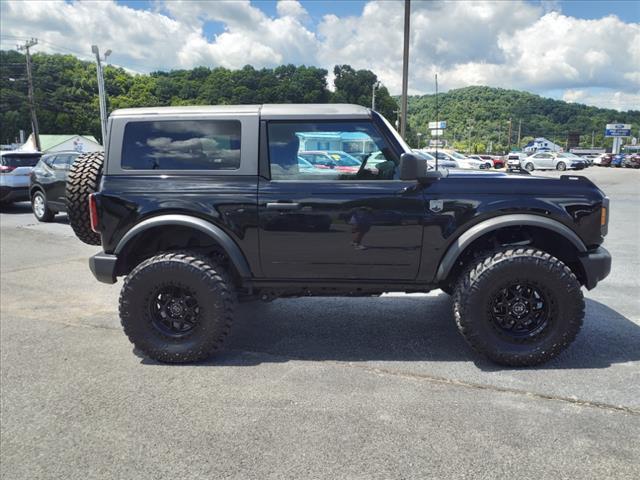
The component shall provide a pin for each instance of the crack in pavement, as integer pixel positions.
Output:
(462, 383)
(418, 376)
(45, 265)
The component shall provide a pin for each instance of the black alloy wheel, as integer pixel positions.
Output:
(174, 310)
(519, 310)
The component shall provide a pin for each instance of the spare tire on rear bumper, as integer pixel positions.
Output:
(83, 180)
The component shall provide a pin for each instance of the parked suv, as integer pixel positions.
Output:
(202, 207)
(48, 182)
(15, 168)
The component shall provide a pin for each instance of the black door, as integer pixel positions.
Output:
(57, 189)
(339, 221)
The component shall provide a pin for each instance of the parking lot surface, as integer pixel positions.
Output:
(309, 388)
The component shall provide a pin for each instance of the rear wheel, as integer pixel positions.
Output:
(177, 307)
(561, 166)
(83, 180)
(41, 210)
(518, 307)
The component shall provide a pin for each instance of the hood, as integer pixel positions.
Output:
(515, 183)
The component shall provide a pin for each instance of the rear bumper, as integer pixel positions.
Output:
(103, 267)
(13, 194)
(596, 266)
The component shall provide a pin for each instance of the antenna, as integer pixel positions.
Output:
(437, 123)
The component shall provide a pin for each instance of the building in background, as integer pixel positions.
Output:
(543, 144)
(63, 142)
(349, 142)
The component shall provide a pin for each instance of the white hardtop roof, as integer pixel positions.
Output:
(267, 111)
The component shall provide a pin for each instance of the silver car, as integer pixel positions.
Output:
(553, 161)
(15, 169)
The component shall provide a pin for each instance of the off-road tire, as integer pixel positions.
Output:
(211, 287)
(83, 180)
(478, 284)
(48, 214)
(561, 166)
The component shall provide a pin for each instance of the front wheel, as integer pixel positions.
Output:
(519, 307)
(177, 307)
(41, 210)
(529, 167)
(561, 166)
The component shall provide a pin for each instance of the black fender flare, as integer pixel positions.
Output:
(216, 233)
(495, 223)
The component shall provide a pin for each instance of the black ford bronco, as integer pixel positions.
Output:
(203, 207)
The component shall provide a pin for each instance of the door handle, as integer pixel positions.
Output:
(282, 206)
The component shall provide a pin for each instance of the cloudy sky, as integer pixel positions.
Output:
(579, 51)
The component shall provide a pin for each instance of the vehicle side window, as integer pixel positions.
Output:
(182, 145)
(62, 162)
(335, 151)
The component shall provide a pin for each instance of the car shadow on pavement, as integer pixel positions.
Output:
(13, 208)
(25, 207)
(400, 328)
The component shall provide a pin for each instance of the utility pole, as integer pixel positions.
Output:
(593, 138)
(405, 68)
(469, 140)
(32, 105)
(519, 131)
(373, 95)
(509, 140)
(101, 91)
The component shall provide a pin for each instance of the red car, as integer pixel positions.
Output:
(498, 161)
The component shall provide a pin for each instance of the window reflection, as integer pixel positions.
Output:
(182, 145)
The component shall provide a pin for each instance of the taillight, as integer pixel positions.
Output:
(6, 168)
(604, 217)
(93, 212)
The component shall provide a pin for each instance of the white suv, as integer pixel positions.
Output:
(15, 169)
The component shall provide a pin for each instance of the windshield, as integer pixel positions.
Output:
(424, 155)
(457, 156)
(396, 135)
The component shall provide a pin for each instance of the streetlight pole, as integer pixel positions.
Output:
(101, 91)
(373, 95)
(405, 68)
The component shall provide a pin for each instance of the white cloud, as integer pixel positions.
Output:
(616, 100)
(292, 8)
(514, 44)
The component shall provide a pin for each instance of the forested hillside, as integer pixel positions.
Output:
(67, 102)
(480, 115)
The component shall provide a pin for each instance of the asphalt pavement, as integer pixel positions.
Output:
(354, 388)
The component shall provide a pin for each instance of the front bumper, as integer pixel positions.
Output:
(596, 265)
(103, 267)
(13, 194)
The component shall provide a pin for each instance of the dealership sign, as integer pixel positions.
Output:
(618, 130)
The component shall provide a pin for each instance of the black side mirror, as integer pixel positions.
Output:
(412, 167)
